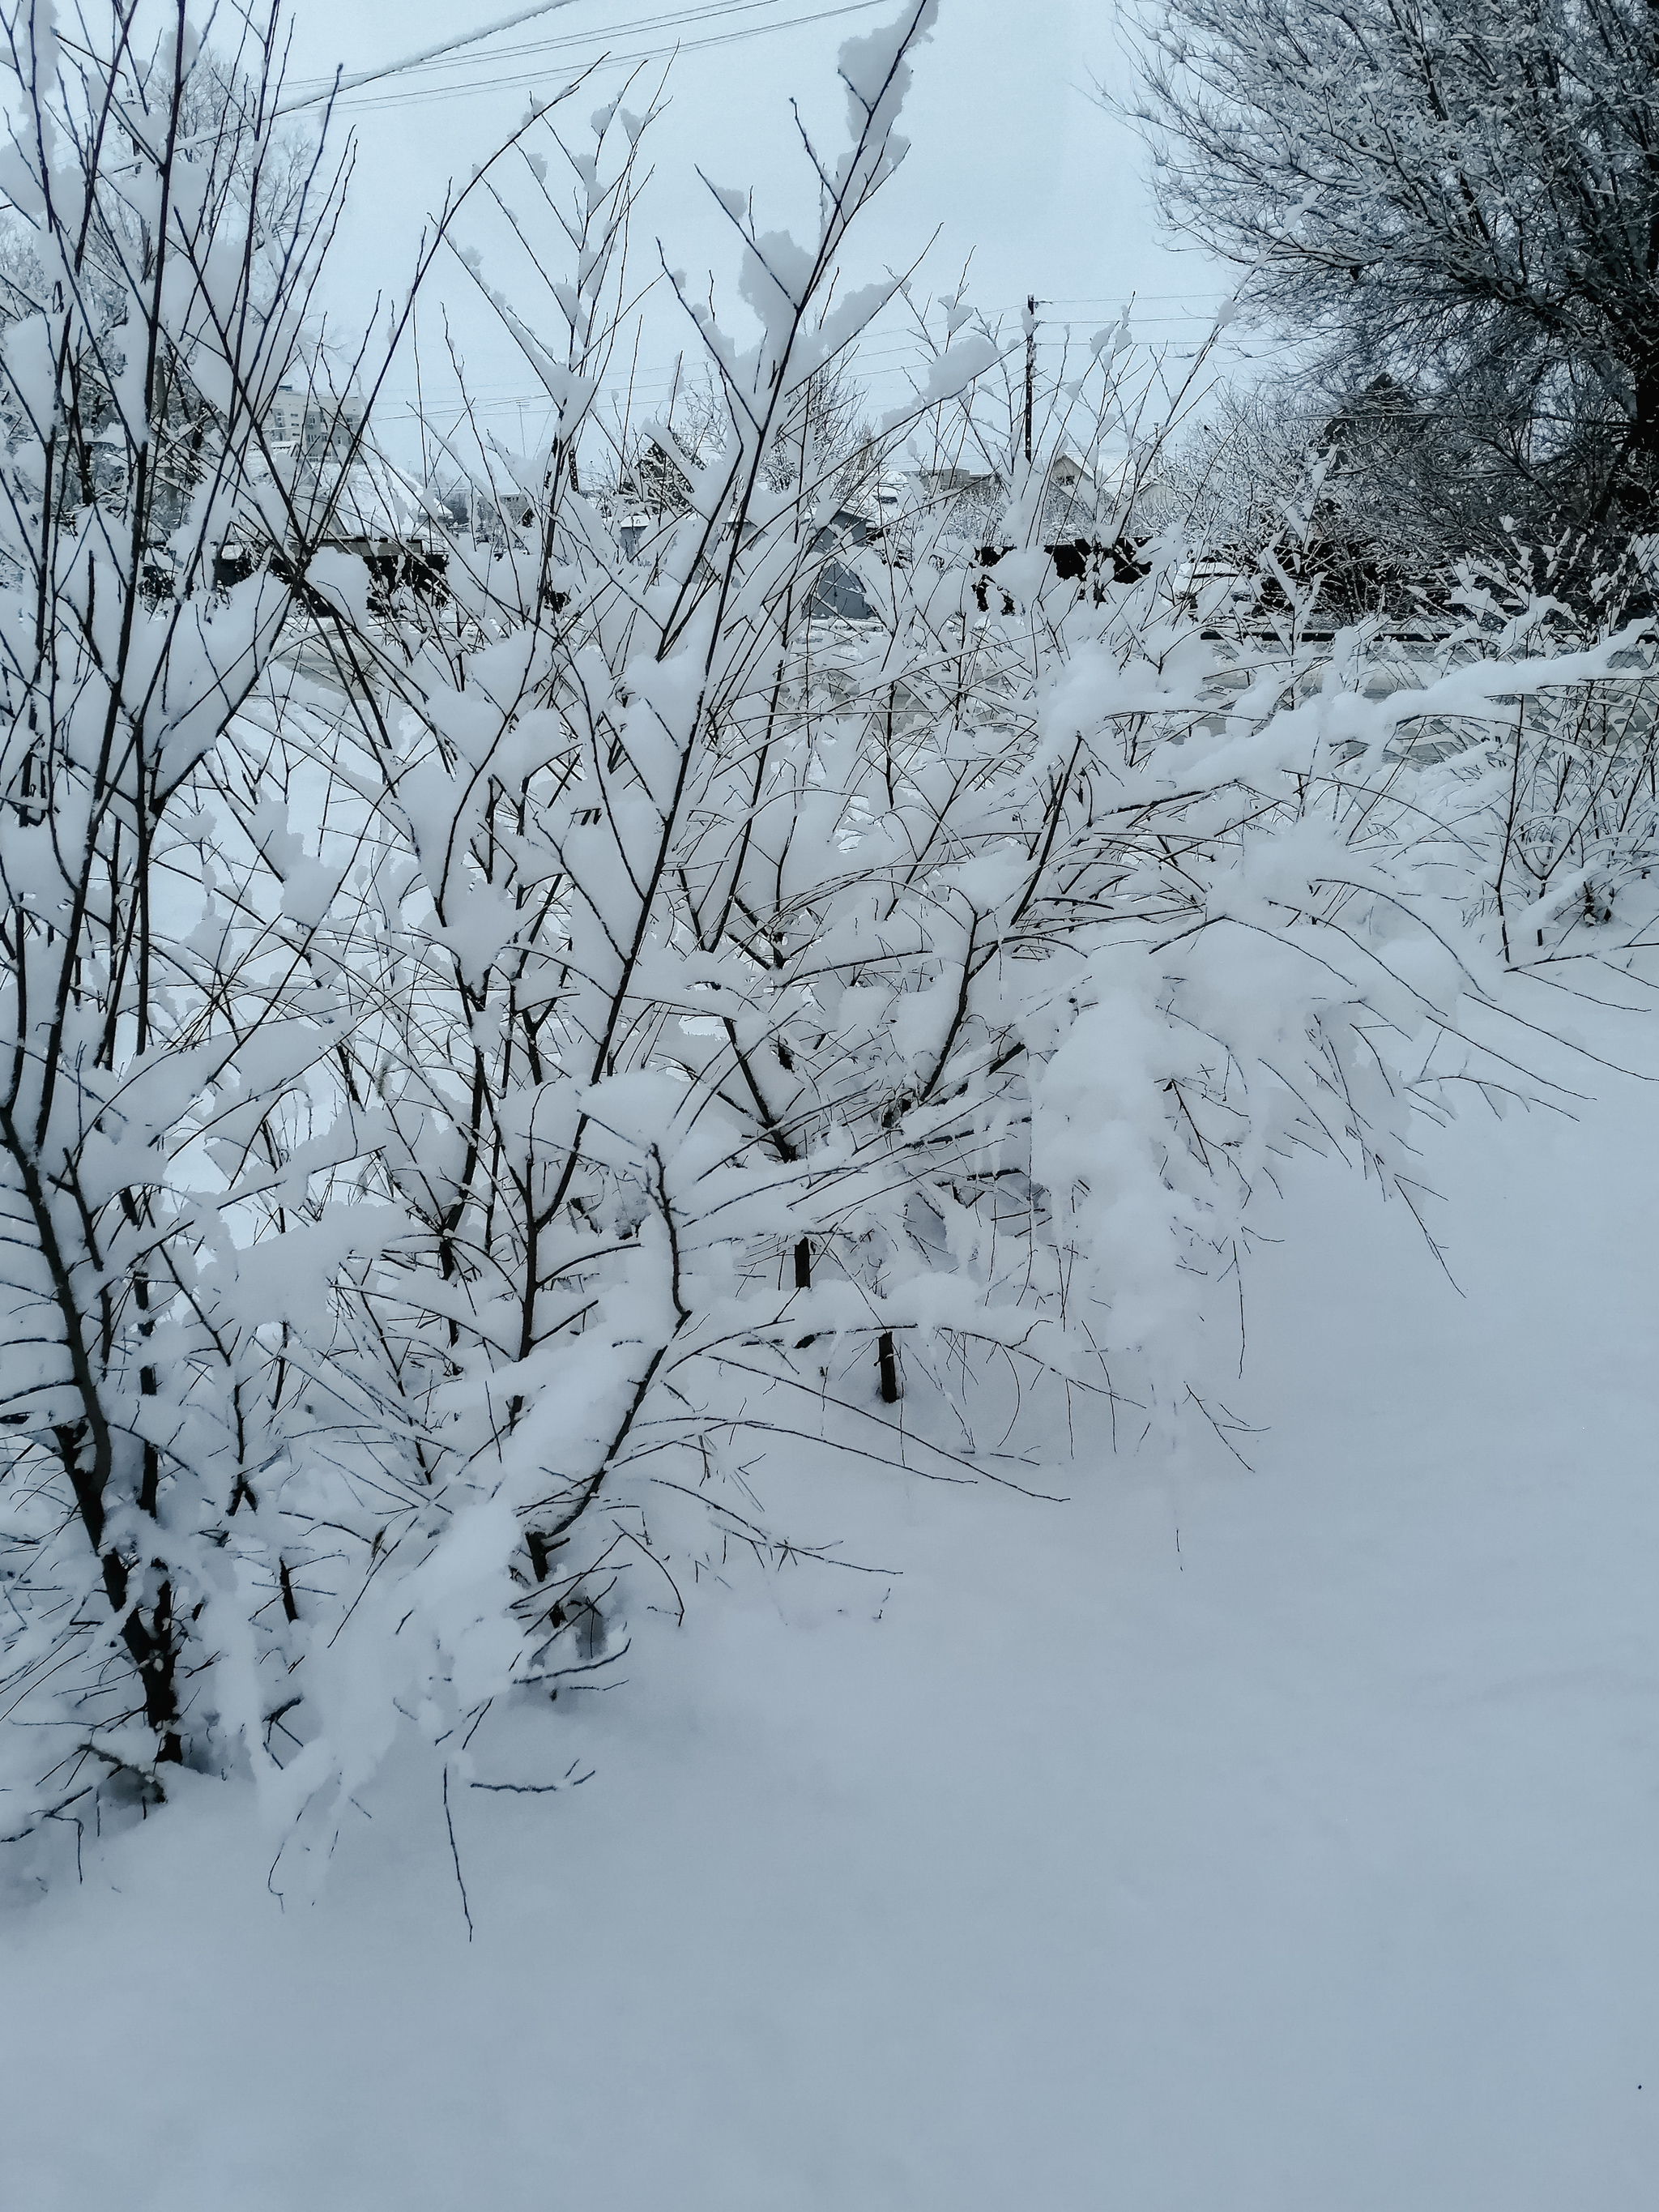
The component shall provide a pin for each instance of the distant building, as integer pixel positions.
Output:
(314, 423)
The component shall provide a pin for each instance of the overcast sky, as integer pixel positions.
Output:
(1012, 161)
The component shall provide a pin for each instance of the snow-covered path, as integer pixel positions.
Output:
(1309, 1865)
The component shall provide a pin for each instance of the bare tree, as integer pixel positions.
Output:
(1371, 491)
(1464, 194)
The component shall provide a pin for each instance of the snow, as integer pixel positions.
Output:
(1275, 1841)
(1265, 1835)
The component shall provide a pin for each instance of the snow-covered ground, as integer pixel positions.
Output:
(1277, 1841)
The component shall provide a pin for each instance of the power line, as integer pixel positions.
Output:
(645, 387)
(436, 60)
(904, 344)
(421, 95)
(429, 56)
(890, 359)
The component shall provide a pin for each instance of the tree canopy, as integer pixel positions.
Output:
(1464, 194)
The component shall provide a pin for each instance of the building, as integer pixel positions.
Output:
(314, 422)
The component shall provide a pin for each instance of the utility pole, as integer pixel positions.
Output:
(1030, 368)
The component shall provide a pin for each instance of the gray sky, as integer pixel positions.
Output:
(1011, 162)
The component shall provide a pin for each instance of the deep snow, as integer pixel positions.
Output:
(1279, 1841)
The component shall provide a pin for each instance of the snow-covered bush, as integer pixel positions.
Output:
(604, 1019)
(169, 234)
(156, 309)
(1554, 772)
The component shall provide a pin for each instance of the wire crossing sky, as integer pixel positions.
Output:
(579, 51)
(1015, 172)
